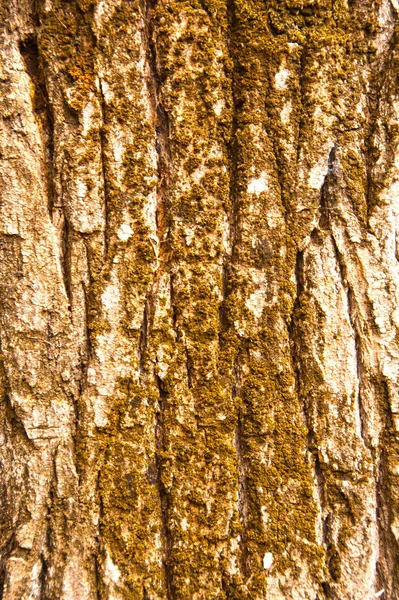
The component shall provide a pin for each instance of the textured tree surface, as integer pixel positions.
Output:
(199, 285)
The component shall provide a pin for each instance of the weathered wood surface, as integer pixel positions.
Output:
(199, 281)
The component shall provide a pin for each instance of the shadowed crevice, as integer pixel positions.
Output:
(6, 552)
(242, 495)
(103, 158)
(387, 567)
(42, 110)
(353, 319)
(99, 550)
(163, 494)
(295, 343)
(164, 167)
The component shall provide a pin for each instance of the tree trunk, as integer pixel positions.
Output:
(199, 283)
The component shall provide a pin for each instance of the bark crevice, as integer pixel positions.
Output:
(42, 110)
(163, 493)
(103, 157)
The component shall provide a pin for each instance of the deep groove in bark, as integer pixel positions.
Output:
(16, 422)
(65, 260)
(229, 263)
(188, 369)
(29, 50)
(98, 536)
(318, 473)
(352, 314)
(326, 206)
(233, 143)
(89, 347)
(97, 572)
(143, 339)
(43, 110)
(359, 366)
(242, 496)
(103, 155)
(164, 167)
(175, 312)
(302, 66)
(387, 570)
(163, 494)
(43, 579)
(382, 573)
(379, 78)
(6, 552)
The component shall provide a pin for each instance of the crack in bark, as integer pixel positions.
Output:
(232, 145)
(16, 422)
(164, 167)
(97, 554)
(164, 162)
(326, 215)
(61, 223)
(65, 260)
(41, 106)
(188, 369)
(143, 339)
(103, 156)
(43, 578)
(382, 566)
(295, 337)
(11, 413)
(242, 495)
(97, 572)
(89, 347)
(163, 494)
(6, 552)
(387, 572)
(43, 111)
(228, 268)
(353, 320)
(379, 78)
(302, 66)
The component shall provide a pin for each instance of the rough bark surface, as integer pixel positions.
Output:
(199, 285)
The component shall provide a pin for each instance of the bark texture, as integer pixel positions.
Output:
(199, 285)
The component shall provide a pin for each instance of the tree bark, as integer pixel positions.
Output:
(199, 283)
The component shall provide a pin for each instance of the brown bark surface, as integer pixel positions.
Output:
(199, 284)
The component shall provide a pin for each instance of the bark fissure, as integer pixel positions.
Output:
(103, 157)
(97, 569)
(381, 73)
(164, 167)
(163, 493)
(6, 551)
(242, 497)
(229, 267)
(387, 572)
(353, 319)
(65, 259)
(42, 109)
(301, 121)
(89, 349)
(43, 579)
(295, 347)
(99, 550)
(143, 339)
